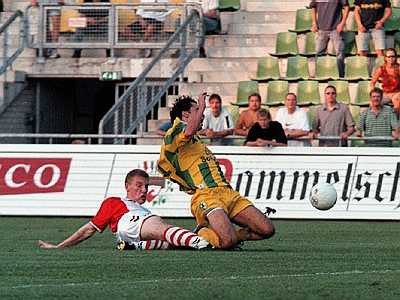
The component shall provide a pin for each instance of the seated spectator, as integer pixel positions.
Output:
(294, 121)
(370, 16)
(217, 122)
(396, 108)
(164, 128)
(150, 23)
(96, 29)
(389, 75)
(54, 17)
(378, 120)
(266, 132)
(333, 119)
(211, 20)
(248, 117)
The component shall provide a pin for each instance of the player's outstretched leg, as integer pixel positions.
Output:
(259, 226)
(180, 237)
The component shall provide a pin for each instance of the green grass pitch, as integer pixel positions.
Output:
(304, 260)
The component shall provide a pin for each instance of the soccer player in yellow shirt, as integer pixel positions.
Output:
(184, 159)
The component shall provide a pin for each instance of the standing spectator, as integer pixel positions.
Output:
(329, 21)
(1, 6)
(54, 20)
(248, 117)
(389, 75)
(333, 119)
(217, 122)
(266, 132)
(294, 121)
(371, 16)
(378, 120)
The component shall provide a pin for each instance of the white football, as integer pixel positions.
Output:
(323, 196)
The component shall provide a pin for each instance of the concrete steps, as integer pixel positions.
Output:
(240, 40)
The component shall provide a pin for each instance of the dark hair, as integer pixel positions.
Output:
(136, 172)
(376, 90)
(255, 95)
(291, 94)
(330, 87)
(391, 49)
(183, 103)
(264, 113)
(215, 96)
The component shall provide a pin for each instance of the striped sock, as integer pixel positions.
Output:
(153, 245)
(180, 237)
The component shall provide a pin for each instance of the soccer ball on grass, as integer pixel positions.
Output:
(323, 196)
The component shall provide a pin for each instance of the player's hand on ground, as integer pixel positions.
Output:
(46, 245)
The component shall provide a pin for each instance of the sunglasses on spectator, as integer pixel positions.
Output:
(330, 93)
(390, 56)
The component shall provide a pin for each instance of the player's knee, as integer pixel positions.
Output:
(228, 242)
(268, 230)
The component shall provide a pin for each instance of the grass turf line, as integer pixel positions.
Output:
(305, 260)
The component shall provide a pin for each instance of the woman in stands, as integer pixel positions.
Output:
(389, 75)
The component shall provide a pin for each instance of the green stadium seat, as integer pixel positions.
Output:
(308, 92)
(310, 41)
(396, 38)
(297, 68)
(351, 4)
(267, 69)
(362, 94)
(312, 113)
(393, 23)
(326, 68)
(378, 62)
(303, 21)
(356, 68)
(342, 91)
(228, 5)
(234, 110)
(276, 92)
(245, 88)
(355, 112)
(286, 44)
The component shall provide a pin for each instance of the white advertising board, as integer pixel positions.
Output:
(60, 180)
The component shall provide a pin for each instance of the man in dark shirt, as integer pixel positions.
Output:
(371, 16)
(266, 132)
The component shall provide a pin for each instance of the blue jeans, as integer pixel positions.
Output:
(210, 25)
(323, 38)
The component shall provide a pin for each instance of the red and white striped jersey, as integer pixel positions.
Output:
(111, 211)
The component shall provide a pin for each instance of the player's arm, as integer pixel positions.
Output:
(196, 117)
(83, 233)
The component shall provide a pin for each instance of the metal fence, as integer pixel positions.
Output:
(111, 26)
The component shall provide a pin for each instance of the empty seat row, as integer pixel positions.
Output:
(308, 92)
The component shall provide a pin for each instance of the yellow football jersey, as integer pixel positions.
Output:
(188, 162)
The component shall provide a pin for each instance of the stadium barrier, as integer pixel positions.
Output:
(60, 180)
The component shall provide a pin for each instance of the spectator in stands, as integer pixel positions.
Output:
(217, 122)
(248, 117)
(78, 142)
(333, 119)
(1, 6)
(150, 23)
(294, 121)
(329, 22)
(54, 20)
(164, 128)
(266, 132)
(389, 75)
(370, 16)
(96, 29)
(378, 120)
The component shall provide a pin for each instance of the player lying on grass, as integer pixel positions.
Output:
(184, 159)
(134, 225)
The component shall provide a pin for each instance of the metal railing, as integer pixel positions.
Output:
(67, 138)
(12, 47)
(130, 111)
(111, 26)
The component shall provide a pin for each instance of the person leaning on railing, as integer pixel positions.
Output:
(378, 120)
(54, 16)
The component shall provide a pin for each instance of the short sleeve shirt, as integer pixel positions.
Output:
(297, 120)
(273, 132)
(371, 11)
(329, 13)
(220, 123)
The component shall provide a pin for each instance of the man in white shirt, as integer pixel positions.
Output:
(294, 121)
(217, 122)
